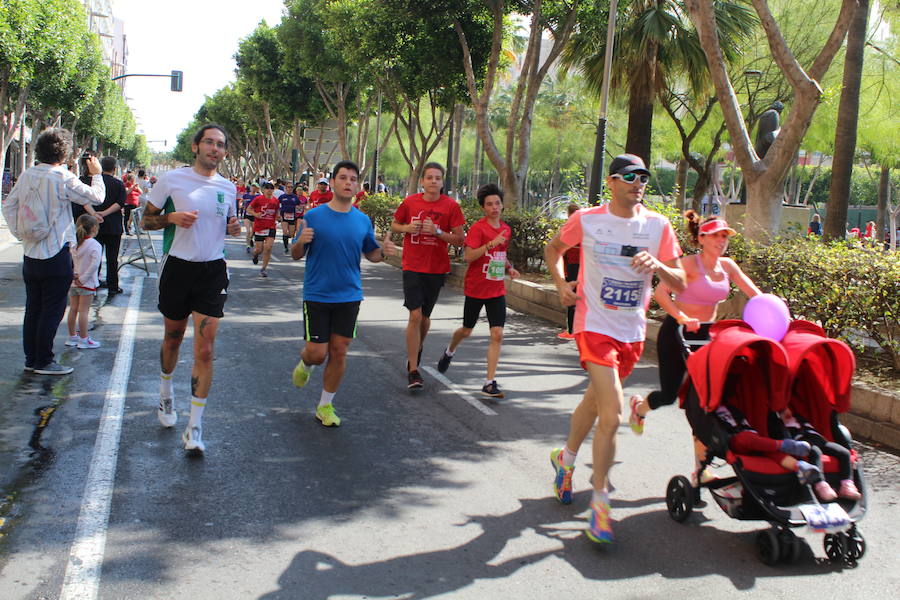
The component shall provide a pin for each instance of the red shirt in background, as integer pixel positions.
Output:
(422, 252)
(316, 198)
(267, 208)
(485, 277)
(572, 256)
(359, 196)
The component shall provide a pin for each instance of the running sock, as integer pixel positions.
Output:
(448, 353)
(285, 238)
(326, 398)
(197, 406)
(166, 385)
(488, 381)
(568, 457)
(600, 497)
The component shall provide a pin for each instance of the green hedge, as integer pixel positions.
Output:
(852, 291)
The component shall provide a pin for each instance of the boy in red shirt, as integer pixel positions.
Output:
(485, 285)
(430, 221)
(264, 210)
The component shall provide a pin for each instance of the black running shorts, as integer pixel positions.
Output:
(494, 307)
(421, 290)
(321, 320)
(186, 287)
(261, 238)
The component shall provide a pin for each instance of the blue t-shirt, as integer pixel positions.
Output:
(288, 205)
(247, 199)
(333, 257)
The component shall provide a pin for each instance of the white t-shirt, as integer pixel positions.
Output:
(613, 297)
(186, 190)
(278, 193)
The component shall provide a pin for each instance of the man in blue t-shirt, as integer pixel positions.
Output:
(291, 211)
(333, 238)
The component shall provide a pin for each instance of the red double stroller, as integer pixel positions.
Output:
(806, 372)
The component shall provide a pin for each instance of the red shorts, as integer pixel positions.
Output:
(603, 350)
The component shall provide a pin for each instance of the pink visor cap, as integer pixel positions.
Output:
(715, 226)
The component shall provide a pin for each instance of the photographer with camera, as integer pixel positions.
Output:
(38, 214)
(622, 246)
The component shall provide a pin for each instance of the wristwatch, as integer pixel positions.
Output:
(437, 230)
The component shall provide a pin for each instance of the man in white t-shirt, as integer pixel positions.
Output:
(622, 245)
(196, 207)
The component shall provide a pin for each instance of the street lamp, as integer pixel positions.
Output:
(596, 184)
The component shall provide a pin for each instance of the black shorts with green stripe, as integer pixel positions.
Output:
(321, 320)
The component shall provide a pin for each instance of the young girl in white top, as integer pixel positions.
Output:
(86, 259)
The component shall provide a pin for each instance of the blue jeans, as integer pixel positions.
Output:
(46, 296)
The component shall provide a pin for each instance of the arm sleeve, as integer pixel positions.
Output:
(474, 238)
(668, 243)
(159, 193)
(94, 257)
(120, 196)
(232, 211)
(369, 241)
(401, 215)
(456, 216)
(79, 193)
(571, 233)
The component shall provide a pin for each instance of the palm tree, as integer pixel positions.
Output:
(655, 42)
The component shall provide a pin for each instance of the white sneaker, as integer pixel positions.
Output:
(192, 438)
(166, 412)
(73, 340)
(87, 342)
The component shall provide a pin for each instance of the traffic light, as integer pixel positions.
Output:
(177, 79)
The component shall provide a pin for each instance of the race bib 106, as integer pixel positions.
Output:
(618, 294)
(496, 266)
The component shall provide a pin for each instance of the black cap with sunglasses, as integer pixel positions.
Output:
(629, 168)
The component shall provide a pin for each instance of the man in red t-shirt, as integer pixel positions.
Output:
(320, 195)
(430, 221)
(485, 285)
(264, 210)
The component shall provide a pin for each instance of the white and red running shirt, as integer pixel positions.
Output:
(613, 297)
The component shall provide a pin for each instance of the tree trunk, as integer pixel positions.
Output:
(763, 217)
(681, 174)
(845, 128)
(884, 184)
(640, 113)
(701, 188)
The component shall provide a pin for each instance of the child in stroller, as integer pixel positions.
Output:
(801, 430)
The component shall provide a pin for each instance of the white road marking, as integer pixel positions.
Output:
(460, 392)
(7, 245)
(82, 579)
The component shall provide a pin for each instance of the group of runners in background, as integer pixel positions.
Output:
(622, 245)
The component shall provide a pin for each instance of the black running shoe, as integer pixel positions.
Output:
(415, 381)
(491, 390)
(444, 363)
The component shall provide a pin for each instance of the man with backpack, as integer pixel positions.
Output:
(39, 215)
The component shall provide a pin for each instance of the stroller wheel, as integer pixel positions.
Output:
(791, 546)
(767, 547)
(835, 545)
(680, 498)
(856, 545)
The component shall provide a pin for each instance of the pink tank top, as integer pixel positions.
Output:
(703, 290)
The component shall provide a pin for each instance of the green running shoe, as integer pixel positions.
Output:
(301, 373)
(326, 415)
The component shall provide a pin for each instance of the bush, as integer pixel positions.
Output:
(380, 208)
(852, 291)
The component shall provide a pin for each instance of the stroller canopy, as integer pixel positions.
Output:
(748, 370)
(821, 371)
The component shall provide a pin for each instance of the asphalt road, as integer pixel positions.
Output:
(434, 495)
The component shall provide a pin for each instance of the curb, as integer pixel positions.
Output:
(875, 413)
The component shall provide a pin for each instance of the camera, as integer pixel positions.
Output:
(629, 250)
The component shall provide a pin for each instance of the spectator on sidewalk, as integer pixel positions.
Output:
(111, 228)
(47, 265)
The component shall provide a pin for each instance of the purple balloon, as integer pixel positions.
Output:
(768, 315)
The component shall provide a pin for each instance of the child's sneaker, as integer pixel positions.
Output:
(849, 490)
(87, 342)
(599, 529)
(824, 492)
(795, 448)
(73, 340)
(562, 483)
(635, 420)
